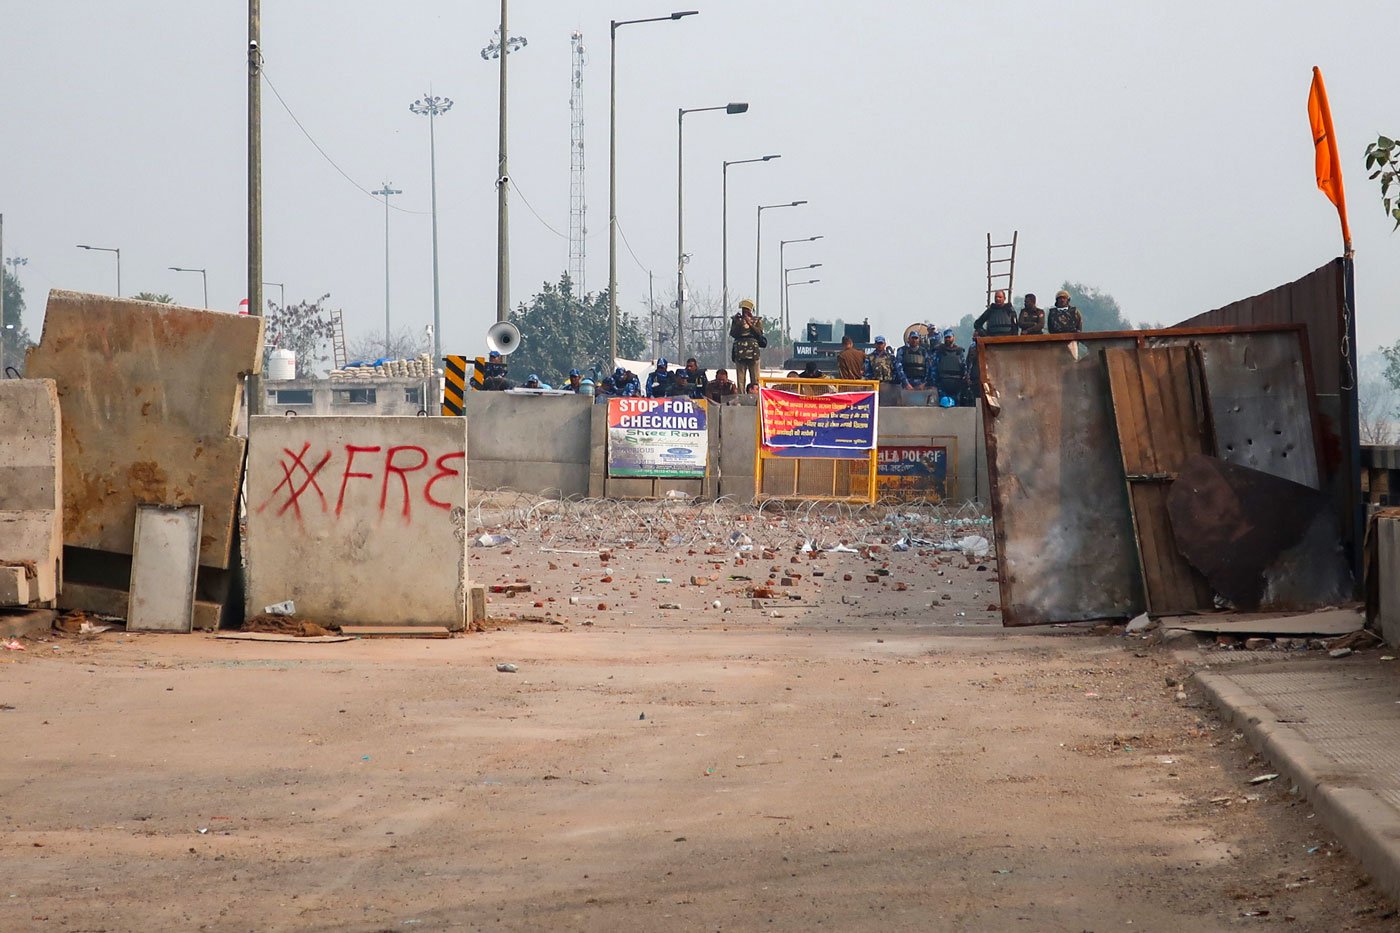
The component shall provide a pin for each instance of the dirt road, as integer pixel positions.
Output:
(876, 765)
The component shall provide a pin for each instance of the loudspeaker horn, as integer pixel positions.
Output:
(503, 337)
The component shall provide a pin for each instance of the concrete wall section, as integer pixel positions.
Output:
(359, 520)
(31, 491)
(1388, 570)
(149, 394)
(533, 443)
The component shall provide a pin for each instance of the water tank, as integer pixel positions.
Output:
(281, 365)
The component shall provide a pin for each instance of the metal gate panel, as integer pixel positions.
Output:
(1160, 411)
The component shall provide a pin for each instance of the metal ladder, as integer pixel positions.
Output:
(1001, 255)
(338, 355)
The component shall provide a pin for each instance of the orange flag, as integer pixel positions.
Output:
(1329, 162)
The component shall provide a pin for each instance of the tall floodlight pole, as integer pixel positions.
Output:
(730, 108)
(500, 48)
(204, 274)
(758, 253)
(385, 193)
(255, 244)
(612, 165)
(782, 264)
(109, 249)
(432, 108)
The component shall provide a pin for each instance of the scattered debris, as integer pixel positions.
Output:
(1264, 778)
(285, 608)
(507, 668)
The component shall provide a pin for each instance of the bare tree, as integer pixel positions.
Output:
(404, 343)
(1376, 411)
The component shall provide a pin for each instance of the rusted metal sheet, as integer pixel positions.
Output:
(1063, 531)
(1315, 300)
(1261, 409)
(1262, 542)
(1159, 405)
(1063, 521)
(149, 394)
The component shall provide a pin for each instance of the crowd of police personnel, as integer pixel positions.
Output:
(946, 367)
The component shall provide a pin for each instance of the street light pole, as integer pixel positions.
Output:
(787, 308)
(731, 108)
(758, 252)
(787, 285)
(385, 192)
(612, 165)
(500, 48)
(724, 242)
(432, 108)
(283, 289)
(109, 249)
(782, 264)
(204, 274)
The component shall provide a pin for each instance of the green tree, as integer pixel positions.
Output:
(1099, 309)
(1383, 155)
(560, 331)
(14, 338)
(159, 298)
(304, 327)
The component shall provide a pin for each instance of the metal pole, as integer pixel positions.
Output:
(783, 323)
(437, 296)
(255, 246)
(724, 265)
(758, 265)
(651, 304)
(204, 274)
(502, 187)
(387, 337)
(680, 235)
(119, 270)
(612, 189)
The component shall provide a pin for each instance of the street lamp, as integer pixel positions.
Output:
(730, 108)
(724, 235)
(110, 249)
(612, 164)
(204, 273)
(782, 264)
(283, 290)
(500, 47)
(786, 316)
(385, 192)
(758, 251)
(432, 108)
(787, 285)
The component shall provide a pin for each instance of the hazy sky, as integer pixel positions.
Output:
(1160, 152)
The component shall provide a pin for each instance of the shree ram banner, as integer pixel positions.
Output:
(660, 437)
(840, 425)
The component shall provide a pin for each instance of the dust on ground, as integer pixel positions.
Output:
(868, 758)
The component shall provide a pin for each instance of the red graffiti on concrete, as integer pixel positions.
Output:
(393, 467)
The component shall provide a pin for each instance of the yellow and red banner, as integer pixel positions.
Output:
(839, 425)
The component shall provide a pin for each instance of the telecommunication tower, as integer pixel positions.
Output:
(578, 208)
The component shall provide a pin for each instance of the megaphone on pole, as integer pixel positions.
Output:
(503, 337)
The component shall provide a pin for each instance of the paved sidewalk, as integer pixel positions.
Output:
(1332, 727)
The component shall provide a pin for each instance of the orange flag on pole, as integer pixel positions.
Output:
(1329, 162)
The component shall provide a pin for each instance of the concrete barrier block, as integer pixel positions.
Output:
(31, 489)
(149, 394)
(14, 586)
(359, 520)
(1388, 568)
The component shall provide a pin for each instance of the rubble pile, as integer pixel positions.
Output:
(587, 525)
